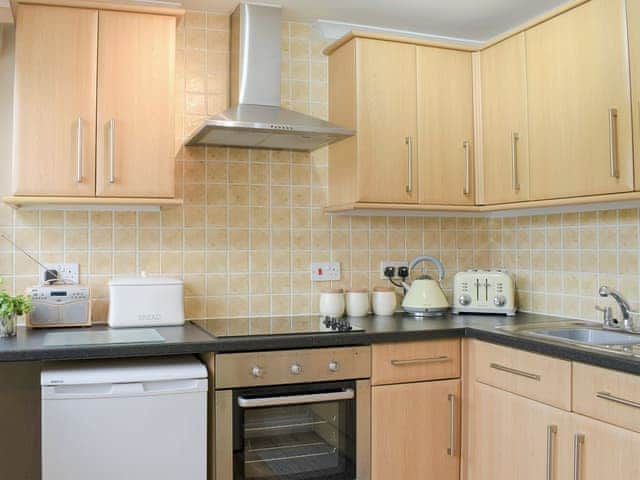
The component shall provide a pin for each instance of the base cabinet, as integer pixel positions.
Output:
(512, 437)
(415, 430)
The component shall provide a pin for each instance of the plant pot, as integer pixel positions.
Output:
(8, 325)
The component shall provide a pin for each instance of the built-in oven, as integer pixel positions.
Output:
(293, 415)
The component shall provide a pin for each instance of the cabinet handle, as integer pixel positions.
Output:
(613, 142)
(552, 430)
(415, 361)
(578, 441)
(621, 401)
(79, 144)
(502, 368)
(451, 451)
(409, 142)
(467, 162)
(515, 136)
(112, 151)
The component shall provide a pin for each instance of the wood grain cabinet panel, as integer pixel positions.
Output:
(416, 430)
(402, 362)
(445, 126)
(505, 135)
(135, 140)
(386, 119)
(577, 76)
(55, 101)
(509, 436)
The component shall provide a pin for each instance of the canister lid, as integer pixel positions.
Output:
(144, 281)
(332, 290)
(357, 290)
(383, 289)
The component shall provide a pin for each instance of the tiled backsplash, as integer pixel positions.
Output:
(252, 221)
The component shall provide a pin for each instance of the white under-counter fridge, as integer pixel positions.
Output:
(125, 419)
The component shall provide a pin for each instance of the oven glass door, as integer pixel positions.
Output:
(295, 432)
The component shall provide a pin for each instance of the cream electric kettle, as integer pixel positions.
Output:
(424, 296)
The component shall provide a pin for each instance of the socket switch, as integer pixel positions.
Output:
(388, 263)
(325, 271)
(68, 272)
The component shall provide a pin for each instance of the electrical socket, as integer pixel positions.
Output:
(325, 271)
(387, 263)
(68, 272)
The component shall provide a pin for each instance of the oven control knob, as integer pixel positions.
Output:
(257, 371)
(464, 299)
(333, 366)
(296, 369)
(500, 301)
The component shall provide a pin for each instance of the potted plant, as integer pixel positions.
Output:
(12, 307)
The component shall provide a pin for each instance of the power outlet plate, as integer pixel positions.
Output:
(325, 271)
(388, 263)
(68, 272)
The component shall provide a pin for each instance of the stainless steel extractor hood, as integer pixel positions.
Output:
(256, 119)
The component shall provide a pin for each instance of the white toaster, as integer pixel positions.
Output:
(484, 291)
(146, 302)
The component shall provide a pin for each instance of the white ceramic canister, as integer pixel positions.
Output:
(384, 301)
(357, 302)
(332, 303)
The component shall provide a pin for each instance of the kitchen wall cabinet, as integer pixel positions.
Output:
(445, 127)
(633, 20)
(504, 174)
(416, 429)
(135, 143)
(510, 435)
(94, 103)
(55, 101)
(579, 103)
(372, 88)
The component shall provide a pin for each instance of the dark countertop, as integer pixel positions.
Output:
(195, 338)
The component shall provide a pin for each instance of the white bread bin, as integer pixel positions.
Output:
(145, 302)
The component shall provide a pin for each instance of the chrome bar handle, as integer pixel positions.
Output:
(552, 430)
(578, 441)
(79, 145)
(416, 361)
(409, 142)
(621, 401)
(520, 373)
(467, 172)
(515, 136)
(112, 152)
(613, 142)
(451, 451)
(346, 394)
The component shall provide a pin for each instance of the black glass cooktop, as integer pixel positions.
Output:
(241, 327)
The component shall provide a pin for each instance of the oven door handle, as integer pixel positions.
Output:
(346, 394)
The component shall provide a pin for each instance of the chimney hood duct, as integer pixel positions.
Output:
(256, 120)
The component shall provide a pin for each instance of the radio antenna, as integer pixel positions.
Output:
(52, 272)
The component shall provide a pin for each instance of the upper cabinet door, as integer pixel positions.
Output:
(579, 103)
(633, 20)
(386, 98)
(445, 126)
(505, 136)
(135, 139)
(55, 101)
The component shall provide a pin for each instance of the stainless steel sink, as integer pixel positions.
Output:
(590, 336)
(584, 334)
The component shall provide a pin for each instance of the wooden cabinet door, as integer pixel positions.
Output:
(55, 101)
(509, 435)
(633, 20)
(504, 174)
(445, 126)
(604, 451)
(135, 141)
(577, 74)
(386, 91)
(411, 428)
